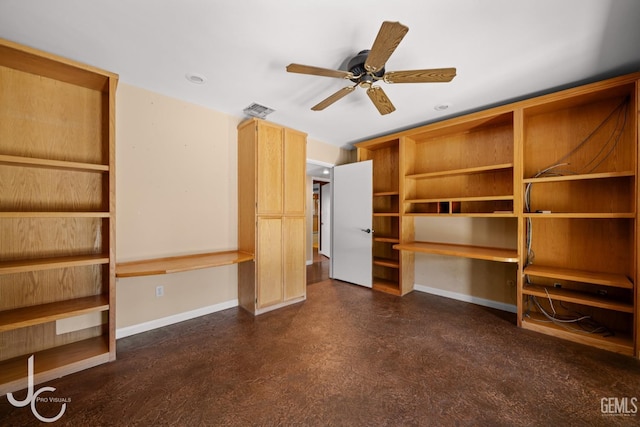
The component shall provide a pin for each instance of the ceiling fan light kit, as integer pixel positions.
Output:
(368, 67)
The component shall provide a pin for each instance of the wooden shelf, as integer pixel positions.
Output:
(386, 239)
(464, 251)
(618, 343)
(462, 199)
(578, 177)
(177, 264)
(567, 295)
(583, 276)
(51, 164)
(499, 214)
(386, 214)
(581, 215)
(53, 363)
(384, 262)
(55, 214)
(385, 193)
(21, 266)
(386, 286)
(43, 313)
(465, 171)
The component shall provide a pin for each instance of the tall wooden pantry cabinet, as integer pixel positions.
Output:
(57, 212)
(271, 215)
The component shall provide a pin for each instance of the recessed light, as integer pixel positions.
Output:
(196, 78)
(325, 171)
(441, 107)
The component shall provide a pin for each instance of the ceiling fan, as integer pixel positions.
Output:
(367, 68)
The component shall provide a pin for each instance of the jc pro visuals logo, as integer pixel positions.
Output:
(34, 397)
(621, 406)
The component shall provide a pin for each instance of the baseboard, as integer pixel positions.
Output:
(176, 318)
(467, 298)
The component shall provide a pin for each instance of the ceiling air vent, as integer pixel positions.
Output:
(257, 110)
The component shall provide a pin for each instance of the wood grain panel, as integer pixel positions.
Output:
(50, 119)
(601, 245)
(269, 169)
(46, 286)
(269, 261)
(294, 254)
(551, 136)
(38, 189)
(295, 158)
(481, 147)
(26, 341)
(29, 238)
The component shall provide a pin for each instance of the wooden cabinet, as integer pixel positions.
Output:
(561, 170)
(271, 215)
(57, 212)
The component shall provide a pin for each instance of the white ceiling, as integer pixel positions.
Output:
(503, 50)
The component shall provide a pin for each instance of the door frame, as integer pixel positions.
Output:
(309, 195)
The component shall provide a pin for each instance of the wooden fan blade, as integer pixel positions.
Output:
(333, 98)
(380, 100)
(317, 71)
(433, 75)
(388, 38)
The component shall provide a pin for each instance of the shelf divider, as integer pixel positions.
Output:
(584, 276)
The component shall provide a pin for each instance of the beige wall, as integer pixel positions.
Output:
(176, 193)
(487, 280)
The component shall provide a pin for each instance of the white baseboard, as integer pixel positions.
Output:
(466, 298)
(176, 318)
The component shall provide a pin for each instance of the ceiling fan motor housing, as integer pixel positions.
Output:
(356, 67)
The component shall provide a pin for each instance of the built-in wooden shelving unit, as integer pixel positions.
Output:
(57, 212)
(560, 170)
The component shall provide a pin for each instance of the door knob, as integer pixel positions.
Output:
(367, 230)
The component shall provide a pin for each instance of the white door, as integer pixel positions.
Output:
(351, 237)
(325, 220)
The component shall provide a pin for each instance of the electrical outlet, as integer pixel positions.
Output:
(159, 291)
(557, 285)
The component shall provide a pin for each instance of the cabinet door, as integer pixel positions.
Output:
(295, 267)
(295, 161)
(269, 261)
(270, 166)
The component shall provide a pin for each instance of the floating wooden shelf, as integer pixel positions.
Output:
(577, 297)
(385, 193)
(43, 313)
(22, 266)
(53, 363)
(175, 264)
(465, 251)
(596, 278)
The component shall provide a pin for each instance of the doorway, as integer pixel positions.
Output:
(319, 220)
